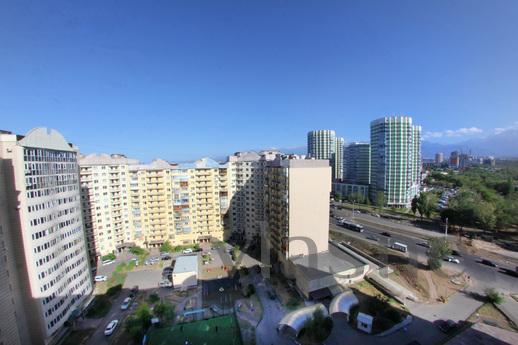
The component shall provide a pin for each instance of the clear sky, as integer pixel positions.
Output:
(185, 79)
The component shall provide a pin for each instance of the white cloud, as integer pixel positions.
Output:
(500, 130)
(451, 133)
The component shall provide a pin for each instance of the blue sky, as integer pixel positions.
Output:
(185, 79)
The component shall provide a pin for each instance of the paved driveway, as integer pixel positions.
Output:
(146, 279)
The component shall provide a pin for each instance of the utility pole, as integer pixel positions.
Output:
(446, 228)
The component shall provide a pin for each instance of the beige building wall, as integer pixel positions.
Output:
(309, 191)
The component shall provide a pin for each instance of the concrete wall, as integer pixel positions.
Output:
(309, 191)
(185, 280)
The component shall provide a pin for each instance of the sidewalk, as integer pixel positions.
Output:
(509, 308)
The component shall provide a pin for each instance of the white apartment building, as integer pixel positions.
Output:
(105, 183)
(43, 235)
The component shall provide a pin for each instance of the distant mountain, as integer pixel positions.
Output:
(502, 145)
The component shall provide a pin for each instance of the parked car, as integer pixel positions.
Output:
(165, 283)
(126, 303)
(165, 257)
(452, 259)
(107, 262)
(111, 327)
(187, 251)
(384, 233)
(424, 244)
(101, 278)
(488, 263)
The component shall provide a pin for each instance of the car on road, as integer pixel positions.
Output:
(384, 233)
(101, 278)
(488, 263)
(107, 262)
(165, 283)
(187, 251)
(450, 258)
(372, 238)
(423, 244)
(126, 303)
(110, 328)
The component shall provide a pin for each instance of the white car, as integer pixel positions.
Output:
(165, 283)
(101, 278)
(107, 262)
(111, 327)
(452, 259)
(126, 303)
(187, 251)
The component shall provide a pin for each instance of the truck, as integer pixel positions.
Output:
(399, 246)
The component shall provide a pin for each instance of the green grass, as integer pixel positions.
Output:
(119, 274)
(199, 333)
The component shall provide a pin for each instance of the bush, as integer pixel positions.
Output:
(293, 302)
(166, 247)
(164, 310)
(318, 327)
(153, 298)
(494, 296)
(110, 256)
(392, 315)
(138, 251)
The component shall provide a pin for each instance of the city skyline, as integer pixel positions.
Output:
(194, 73)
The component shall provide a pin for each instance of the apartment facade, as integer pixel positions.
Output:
(42, 229)
(395, 160)
(357, 158)
(105, 181)
(324, 144)
(297, 206)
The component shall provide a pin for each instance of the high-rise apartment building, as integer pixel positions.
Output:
(42, 236)
(357, 159)
(439, 158)
(246, 172)
(297, 206)
(129, 204)
(105, 182)
(395, 160)
(324, 144)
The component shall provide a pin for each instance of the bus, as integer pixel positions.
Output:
(351, 226)
(399, 246)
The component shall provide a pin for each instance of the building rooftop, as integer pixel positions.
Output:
(105, 159)
(186, 263)
(322, 264)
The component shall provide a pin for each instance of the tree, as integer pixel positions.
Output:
(426, 203)
(164, 310)
(380, 199)
(439, 248)
(110, 256)
(166, 247)
(318, 327)
(153, 298)
(137, 325)
(494, 296)
(338, 196)
(414, 205)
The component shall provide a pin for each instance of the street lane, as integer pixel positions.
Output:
(483, 276)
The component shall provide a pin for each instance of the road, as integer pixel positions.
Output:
(98, 337)
(482, 276)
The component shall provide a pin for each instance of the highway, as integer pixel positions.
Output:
(481, 275)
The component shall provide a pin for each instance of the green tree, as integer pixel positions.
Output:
(439, 248)
(380, 199)
(494, 296)
(137, 325)
(414, 205)
(338, 197)
(166, 247)
(143, 313)
(110, 256)
(426, 203)
(318, 327)
(164, 310)
(153, 298)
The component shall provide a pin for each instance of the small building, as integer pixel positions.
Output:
(185, 272)
(342, 304)
(364, 322)
(316, 274)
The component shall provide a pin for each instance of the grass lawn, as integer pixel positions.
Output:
(221, 331)
(489, 314)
